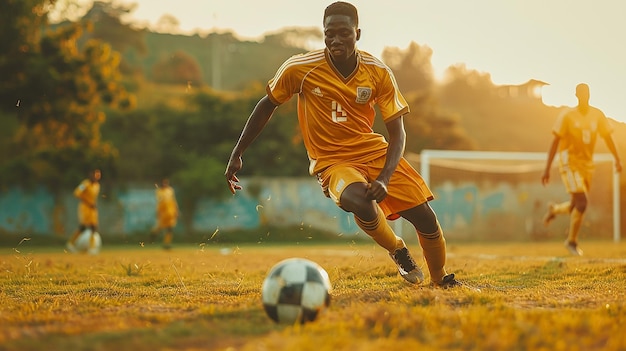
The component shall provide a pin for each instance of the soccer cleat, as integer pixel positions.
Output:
(70, 247)
(573, 248)
(406, 266)
(550, 215)
(448, 282)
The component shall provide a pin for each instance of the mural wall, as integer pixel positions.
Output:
(465, 210)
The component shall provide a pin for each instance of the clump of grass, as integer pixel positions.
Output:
(132, 269)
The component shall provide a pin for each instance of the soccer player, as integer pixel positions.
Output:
(575, 133)
(166, 213)
(87, 193)
(362, 172)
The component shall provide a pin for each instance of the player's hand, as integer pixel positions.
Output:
(376, 190)
(234, 165)
(545, 178)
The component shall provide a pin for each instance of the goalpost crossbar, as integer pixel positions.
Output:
(430, 157)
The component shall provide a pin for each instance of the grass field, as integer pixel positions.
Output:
(207, 297)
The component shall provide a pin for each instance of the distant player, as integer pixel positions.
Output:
(87, 193)
(337, 89)
(166, 213)
(575, 133)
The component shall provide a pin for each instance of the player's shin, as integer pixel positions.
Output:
(380, 231)
(167, 238)
(434, 249)
(576, 220)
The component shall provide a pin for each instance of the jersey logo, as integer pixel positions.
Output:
(363, 95)
(317, 92)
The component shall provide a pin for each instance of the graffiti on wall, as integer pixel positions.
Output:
(466, 209)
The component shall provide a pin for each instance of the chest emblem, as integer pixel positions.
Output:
(363, 95)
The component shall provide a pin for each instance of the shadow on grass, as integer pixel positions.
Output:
(219, 330)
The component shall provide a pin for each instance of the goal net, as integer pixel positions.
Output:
(488, 195)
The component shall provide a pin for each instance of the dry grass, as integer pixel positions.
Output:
(533, 297)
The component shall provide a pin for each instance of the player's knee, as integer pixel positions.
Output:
(580, 203)
(353, 198)
(423, 218)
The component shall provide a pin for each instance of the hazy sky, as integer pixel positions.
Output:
(561, 42)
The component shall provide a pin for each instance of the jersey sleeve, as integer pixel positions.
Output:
(80, 189)
(285, 82)
(390, 100)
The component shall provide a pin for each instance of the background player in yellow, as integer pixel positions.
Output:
(87, 193)
(166, 213)
(337, 89)
(575, 133)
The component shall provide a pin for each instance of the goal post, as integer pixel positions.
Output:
(514, 163)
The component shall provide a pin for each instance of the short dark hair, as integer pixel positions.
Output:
(342, 8)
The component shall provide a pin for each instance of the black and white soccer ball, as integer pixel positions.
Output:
(295, 290)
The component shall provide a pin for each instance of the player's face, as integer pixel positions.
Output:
(340, 36)
(582, 93)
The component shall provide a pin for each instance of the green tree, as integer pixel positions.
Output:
(60, 91)
(106, 18)
(20, 23)
(109, 27)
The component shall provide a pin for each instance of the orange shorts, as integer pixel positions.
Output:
(575, 181)
(87, 216)
(406, 187)
(166, 219)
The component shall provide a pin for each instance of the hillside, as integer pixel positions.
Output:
(522, 124)
(493, 122)
(225, 62)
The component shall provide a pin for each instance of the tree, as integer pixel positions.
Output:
(108, 26)
(427, 125)
(60, 91)
(412, 67)
(20, 21)
(179, 68)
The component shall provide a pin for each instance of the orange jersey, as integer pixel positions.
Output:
(167, 207)
(336, 114)
(87, 192)
(578, 135)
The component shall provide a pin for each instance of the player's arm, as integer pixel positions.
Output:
(611, 145)
(256, 122)
(545, 178)
(81, 194)
(397, 141)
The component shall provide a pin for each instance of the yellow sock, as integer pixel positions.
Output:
(562, 208)
(74, 237)
(167, 238)
(381, 231)
(575, 222)
(434, 249)
(92, 240)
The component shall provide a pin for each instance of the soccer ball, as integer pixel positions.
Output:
(295, 290)
(82, 242)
